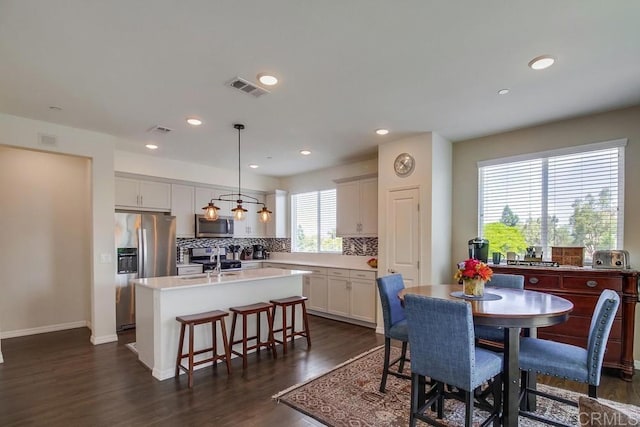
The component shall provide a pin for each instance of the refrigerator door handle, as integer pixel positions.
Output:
(142, 250)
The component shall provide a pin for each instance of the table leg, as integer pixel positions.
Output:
(510, 408)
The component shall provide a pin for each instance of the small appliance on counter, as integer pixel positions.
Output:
(247, 253)
(209, 256)
(611, 259)
(479, 249)
(258, 252)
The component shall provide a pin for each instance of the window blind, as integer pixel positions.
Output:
(314, 222)
(573, 199)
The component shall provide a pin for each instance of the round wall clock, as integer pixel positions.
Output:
(404, 164)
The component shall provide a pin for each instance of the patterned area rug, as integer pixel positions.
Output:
(348, 396)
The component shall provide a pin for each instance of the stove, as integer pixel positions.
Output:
(208, 257)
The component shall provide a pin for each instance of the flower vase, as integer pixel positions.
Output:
(473, 287)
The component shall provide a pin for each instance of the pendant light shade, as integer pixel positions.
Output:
(264, 214)
(239, 212)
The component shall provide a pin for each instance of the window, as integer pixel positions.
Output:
(570, 197)
(313, 220)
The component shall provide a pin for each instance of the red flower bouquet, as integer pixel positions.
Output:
(473, 274)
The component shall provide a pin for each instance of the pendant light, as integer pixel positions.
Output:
(239, 212)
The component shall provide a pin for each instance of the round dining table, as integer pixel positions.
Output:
(510, 309)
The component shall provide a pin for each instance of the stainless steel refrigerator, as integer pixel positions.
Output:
(145, 247)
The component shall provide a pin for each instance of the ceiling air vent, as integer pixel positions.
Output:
(246, 87)
(160, 129)
(48, 140)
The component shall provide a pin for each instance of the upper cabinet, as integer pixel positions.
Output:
(277, 204)
(357, 207)
(251, 226)
(142, 195)
(182, 207)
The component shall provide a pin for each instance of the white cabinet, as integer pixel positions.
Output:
(277, 204)
(357, 208)
(251, 225)
(204, 195)
(139, 194)
(182, 207)
(316, 284)
(352, 293)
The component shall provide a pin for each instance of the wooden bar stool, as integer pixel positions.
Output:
(212, 317)
(245, 311)
(290, 331)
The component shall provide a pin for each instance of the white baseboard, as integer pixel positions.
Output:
(636, 364)
(43, 329)
(1, 359)
(103, 339)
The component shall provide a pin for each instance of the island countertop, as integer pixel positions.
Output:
(226, 277)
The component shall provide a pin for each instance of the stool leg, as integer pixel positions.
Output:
(284, 328)
(258, 334)
(305, 320)
(190, 355)
(214, 344)
(233, 330)
(293, 324)
(271, 340)
(225, 343)
(180, 344)
(244, 341)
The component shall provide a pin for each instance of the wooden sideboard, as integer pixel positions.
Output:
(582, 286)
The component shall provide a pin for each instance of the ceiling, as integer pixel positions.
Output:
(346, 68)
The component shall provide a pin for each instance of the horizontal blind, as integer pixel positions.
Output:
(564, 200)
(314, 222)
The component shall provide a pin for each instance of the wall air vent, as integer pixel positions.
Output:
(159, 129)
(246, 87)
(48, 140)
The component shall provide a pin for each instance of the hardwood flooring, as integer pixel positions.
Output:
(61, 379)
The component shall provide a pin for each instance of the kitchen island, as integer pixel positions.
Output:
(159, 300)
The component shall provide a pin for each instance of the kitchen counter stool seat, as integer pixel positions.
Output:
(192, 320)
(290, 331)
(245, 311)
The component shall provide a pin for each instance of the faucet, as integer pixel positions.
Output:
(217, 269)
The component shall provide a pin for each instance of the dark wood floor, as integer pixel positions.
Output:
(61, 379)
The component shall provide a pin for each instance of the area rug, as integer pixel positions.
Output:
(348, 395)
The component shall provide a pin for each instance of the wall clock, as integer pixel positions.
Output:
(404, 164)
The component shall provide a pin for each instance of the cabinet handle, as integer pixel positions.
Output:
(141, 202)
(533, 280)
(392, 271)
(592, 283)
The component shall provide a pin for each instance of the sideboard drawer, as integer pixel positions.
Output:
(592, 284)
(612, 354)
(541, 281)
(578, 326)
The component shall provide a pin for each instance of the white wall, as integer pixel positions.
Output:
(323, 179)
(618, 124)
(23, 133)
(432, 177)
(46, 262)
(178, 170)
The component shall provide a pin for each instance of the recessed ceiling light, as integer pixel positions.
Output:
(503, 91)
(305, 152)
(152, 146)
(267, 79)
(193, 121)
(253, 166)
(541, 62)
(382, 131)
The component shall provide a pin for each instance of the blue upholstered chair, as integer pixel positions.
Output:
(496, 333)
(395, 325)
(443, 349)
(569, 361)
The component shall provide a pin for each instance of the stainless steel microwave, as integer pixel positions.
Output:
(221, 227)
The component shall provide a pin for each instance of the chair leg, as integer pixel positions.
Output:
(305, 321)
(227, 348)
(593, 391)
(385, 368)
(415, 404)
(468, 408)
(190, 355)
(284, 328)
(403, 356)
(497, 399)
(180, 344)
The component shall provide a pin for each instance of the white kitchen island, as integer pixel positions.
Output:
(159, 300)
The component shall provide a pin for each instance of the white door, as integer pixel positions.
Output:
(403, 234)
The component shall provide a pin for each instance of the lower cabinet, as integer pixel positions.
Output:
(582, 286)
(352, 294)
(339, 293)
(187, 269)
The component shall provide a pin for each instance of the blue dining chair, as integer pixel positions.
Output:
(443, 349)
(569, 361)
(496, 333)
(395, 325)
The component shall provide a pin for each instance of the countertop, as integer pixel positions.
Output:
(198, 280)
(318, 264)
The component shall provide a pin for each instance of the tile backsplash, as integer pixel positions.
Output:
(361, 246)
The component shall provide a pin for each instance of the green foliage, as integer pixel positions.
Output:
(594, 222)
(508, 217)
(503, 238)
(305, 243)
